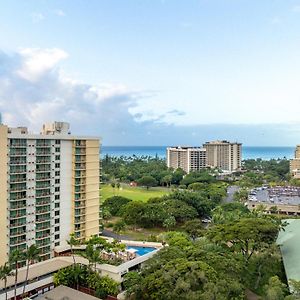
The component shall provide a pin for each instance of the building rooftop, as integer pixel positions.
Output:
(65, 293)
(289, 242)
(221, 142)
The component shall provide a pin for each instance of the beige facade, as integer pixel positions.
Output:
(49, 188)
(188, 159)
(295, 163)
(224, 155)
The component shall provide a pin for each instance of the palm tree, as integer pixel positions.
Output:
(72, 242)
(5, 271)
(31, 255)
(15, 258)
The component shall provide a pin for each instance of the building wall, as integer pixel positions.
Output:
(92, 187)
(3, 193)
(66, 192)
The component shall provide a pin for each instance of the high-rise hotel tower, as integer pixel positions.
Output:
(49, 188)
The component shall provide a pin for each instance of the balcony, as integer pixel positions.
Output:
(43, 218)
(80, 174)
(15, 152)
(17, 170)
(80, 152)
(80, 204)
(17, 162)
(80, 182)
(43, 185)
(43, 152)
(80, 144)
(18, 214)
(79, 220)
(17, 205)
(18, 187)
(43, 143)
(43, 161)
(79, 212)
(17, 223)
(41, 194)
(42, 202)
(42, 236)
(42, 243)
(43, 168)
(42, 210)
(17, 232)
(43, 226)
(80, 166)
(18, 144)
(17, 241)
(17, 179)
(43, 177)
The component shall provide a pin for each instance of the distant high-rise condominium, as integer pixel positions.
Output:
(224, 155)
(295, 163)
(49, 188)
(217, 154)
(187, 158)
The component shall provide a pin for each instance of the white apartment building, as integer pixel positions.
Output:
(224, 155)
(188, 159)
(49, 188)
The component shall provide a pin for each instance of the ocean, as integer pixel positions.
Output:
(248, 152)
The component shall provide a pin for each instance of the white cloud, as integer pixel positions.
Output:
(60, 13)
(34, 90)
(36, 62)
(37, 17)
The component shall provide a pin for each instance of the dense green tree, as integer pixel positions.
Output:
(275, 289)
(119, 226)
(194, 228)
(147, 181)
(245, 235)
(115, 204)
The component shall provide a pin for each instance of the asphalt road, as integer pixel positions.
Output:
(230, 191)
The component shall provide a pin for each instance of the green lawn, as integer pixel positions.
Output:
(134, 193)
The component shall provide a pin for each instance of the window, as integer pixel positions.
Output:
(56, 205)
(56, 244)
(57, 228)
(56, 221)
(56, 197)
(57, 149)
(57, 157)
(57, 189)
(57, 173)
(57, 213)
(57, 142)
(56, 236)
(57, 181)
(57, 165)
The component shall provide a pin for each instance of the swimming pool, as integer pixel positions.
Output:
(141, 250)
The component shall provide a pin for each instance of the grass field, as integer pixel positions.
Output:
(134, 193)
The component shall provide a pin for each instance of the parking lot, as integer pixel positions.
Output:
(288, 195)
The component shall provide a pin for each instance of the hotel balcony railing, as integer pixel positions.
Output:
(79, 212)
(43, 161)
(80, 182)
(42, 202)
(43, 185)
(17, 187)
(43, 226)
(18, 144)
(17, 205)
(16, 241)
(17, 162)
(47, 251)
(17, 179)
(42, 243)
(80, 152)
(43, 152)
(79, 189)
(17, 223)
(80, 204)
(18, 214)
(13, 153)
(79, 144)
(79, 220)
(40, 194)
(80, 166)
(16, 232)
(42, 211)
(80, 174)
(42, 236)
(80, 159)
(43, 144)
(15, 170)
(19, 247)
(43, 169)
(43, 218)
(43, 177)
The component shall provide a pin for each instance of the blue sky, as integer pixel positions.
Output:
(160, 72)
